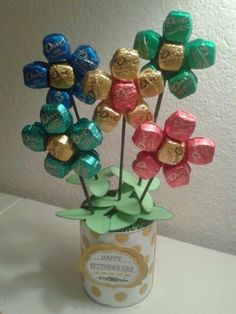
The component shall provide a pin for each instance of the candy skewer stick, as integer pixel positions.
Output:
(146, 189)
(122, 156)
(84, 186)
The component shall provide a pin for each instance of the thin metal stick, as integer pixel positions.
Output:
(146, 189)
(140, 181)
(84, 186)
(122, 150)
(157, 110)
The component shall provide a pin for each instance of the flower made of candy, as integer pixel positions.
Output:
(173, 55)
(171, 149)
(70, 146)
(123, 91)
(64, 72)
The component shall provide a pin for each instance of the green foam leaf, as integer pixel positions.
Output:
(74, 179)
(99, 224)
(105, 173)
(121, 220)
(99, 187)
(104, 201)
(126, 190)
(154, 185)
(147, 202)
(128, 205)
(157, 213)
(76, 214)
(127, 177)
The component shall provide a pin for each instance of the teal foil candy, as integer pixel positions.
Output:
(34, 137)
(55, 118)
(86, 135)
(201, 54)
(87, 164)
(56, 167)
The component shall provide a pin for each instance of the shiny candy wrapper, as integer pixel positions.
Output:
(34, 137)
(56, 167)
(61, 76)
(36, 75)
(171, 152)
(84, 59)
(183, 84)
(60, 147)
(125, 64)
(171, 57)
(150, 82)
(86, 135)
(180, 125)
(124, 95)
(56, 48)
(148, 136)
(201, 54)
(178, 175)
(87, 164)
(106, 118)
(200, 151)
(145, 165)
(97, 84)
(55, 118)
(55, 96)
(140, 114)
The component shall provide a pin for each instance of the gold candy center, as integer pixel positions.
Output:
(171, 57)
(171, 152)
(61, 147)
(61, 76)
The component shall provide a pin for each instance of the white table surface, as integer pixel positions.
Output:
(39, 269)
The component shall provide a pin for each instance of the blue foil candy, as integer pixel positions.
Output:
(86, 165)
(36, 75)
(55, 118)
(84, 59)
(56, 48)
(79, 93)
(59, 97)
(34, 137)
(86, 135)
(56, 167)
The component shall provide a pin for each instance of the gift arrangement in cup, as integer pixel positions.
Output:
(123, 95)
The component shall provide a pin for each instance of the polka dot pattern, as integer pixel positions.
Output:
(147, 230)
(137, 248)
(96, 291)
(121, 238)
(143, 289)
(120, 296)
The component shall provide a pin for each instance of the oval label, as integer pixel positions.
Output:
(113, 266)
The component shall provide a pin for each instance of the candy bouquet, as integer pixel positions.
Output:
(118, 231)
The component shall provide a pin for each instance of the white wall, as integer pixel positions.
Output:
(205, 209)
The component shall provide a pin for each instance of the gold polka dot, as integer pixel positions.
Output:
(86, 241)
(143, 289)
(137, 248)
(95, 235)
(120, 296)
(151, 268)
(153, 239)
(96, 291)
(147, 230)
(146, 259)
(122, 238)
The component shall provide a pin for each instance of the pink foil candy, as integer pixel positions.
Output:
(200, 151)
(180, 125)
(178, 175)
(146, 165)
(124, 95)
(148, 136)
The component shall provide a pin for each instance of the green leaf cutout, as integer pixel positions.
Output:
(76, 214)
(104, 201)
(105, 173)
(147, 202)
(74, 179)
(154, 185)
(128, 206)
(126, 190)
(99, 187)
(127, 177)
(99, 224)
(157, 213)
(121, 220)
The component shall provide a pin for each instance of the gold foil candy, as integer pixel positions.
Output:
(171, 57)
(171, 152)
(151, 83)
(97, 84)
(125, 64)
(140, 114)
(61, 147)
(106, 118)
(61, 76)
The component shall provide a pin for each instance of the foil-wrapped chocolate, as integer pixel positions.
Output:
(61, 76)
(56, 167)
(97, 84)
(61, 147)
(55, 96)
(106, 118)
(171, 152)
(56, 48)
(140, 114)
(36, 75)
(171, 57)
(151, 82)
(178, 175)
(145, 165)
(87, 165)
(124, 95)
(34, 137)
(200, 150)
